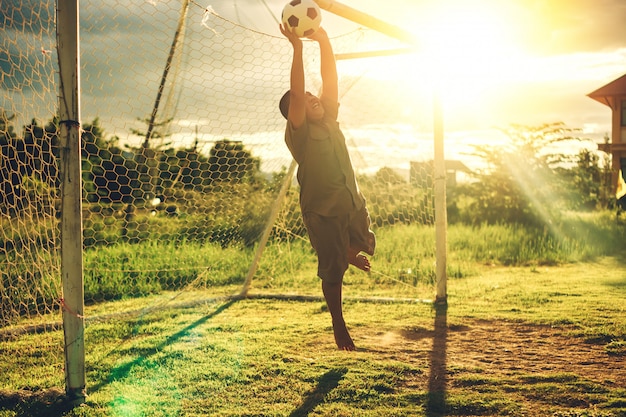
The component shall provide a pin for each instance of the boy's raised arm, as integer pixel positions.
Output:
(328, 66)
(297, 108)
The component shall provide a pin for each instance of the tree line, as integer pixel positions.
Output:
(524, 180)
(533, 177)
(110, 172)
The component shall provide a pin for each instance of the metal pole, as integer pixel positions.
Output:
(71, 195)
(166, 70)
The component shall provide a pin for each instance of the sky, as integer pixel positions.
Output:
(494, 63)
(524, 61)
(521, 61)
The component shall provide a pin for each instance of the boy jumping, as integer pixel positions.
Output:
(333, 208)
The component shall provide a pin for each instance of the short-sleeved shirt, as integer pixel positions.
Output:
(328, 185)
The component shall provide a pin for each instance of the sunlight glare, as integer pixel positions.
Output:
(469, 48)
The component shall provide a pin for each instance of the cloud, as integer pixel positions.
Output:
(27, 16)
(564, 26)
(230, 85)
(541, 26)
(28, 30)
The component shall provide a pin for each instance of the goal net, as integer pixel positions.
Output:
(188, 186)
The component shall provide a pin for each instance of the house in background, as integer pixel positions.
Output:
(418, 173)
(614, 95)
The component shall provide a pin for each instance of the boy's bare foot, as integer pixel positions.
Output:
(342, 337)
(360, 261)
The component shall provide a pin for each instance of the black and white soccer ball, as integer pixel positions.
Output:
(304, 17)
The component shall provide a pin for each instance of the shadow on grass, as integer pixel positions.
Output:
(437, 381)
(326, 383)
(123, 371)
(55, 403)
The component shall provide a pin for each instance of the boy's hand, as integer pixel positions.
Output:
(291, 36)
(319, 35)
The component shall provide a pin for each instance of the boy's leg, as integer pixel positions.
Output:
(333, 295)
(330, 239)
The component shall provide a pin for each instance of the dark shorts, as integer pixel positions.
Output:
(332, 236)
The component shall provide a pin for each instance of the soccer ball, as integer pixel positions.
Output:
(302, 16)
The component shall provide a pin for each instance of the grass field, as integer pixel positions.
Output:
(514, 341)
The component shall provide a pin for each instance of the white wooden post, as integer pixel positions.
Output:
(441, 216)
(268, 228)
(366, 20)
(71, 198)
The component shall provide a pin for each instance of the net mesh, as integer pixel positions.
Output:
(183, 161)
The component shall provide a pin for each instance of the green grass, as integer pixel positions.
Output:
(277, 358)
(405, 260)
(500, 348)
(124, 270)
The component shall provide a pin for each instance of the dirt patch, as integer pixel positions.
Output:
(514, 359)
(513, 347)
(507, 346)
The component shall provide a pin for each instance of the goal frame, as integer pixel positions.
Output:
(68, 48)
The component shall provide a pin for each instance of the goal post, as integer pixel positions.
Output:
(72, 301)
(441, 216)
(92, 213)
(367, 20)
(268, 228)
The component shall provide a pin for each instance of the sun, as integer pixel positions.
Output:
(470, 54)
(470, 48)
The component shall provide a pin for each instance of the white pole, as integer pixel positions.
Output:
(71, 204)
(370, 54)
(366, 20)
(441, 217)
(268, 228)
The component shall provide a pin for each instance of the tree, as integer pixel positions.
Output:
(585, 182)
(26, 161)
(520, 181)
(230, 161)
(147, 159)
(7, 131)
(10, 180)
(109, 172)
(41, 147)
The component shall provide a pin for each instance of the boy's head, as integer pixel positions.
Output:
(314, 107)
